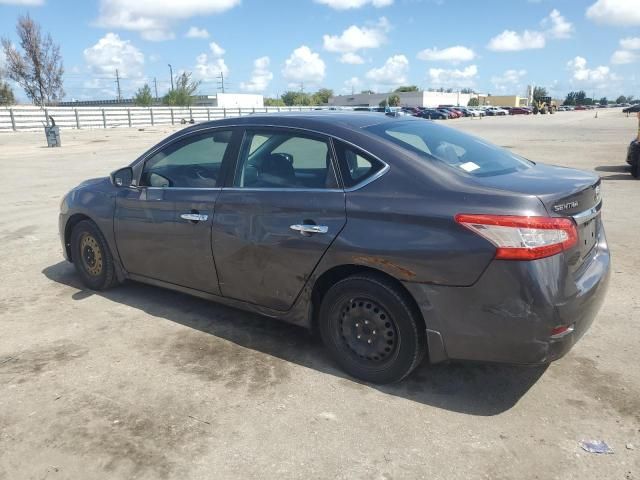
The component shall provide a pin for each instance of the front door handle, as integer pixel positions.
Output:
(194, 217)
(307, 229)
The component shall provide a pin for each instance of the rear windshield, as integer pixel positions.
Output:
(460, 151)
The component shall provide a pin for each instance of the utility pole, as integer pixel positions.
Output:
(171, 73)
(155, 84)
(118, 84)
(302, 87)
(221, 81)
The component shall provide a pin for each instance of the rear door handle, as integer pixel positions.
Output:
(194, 217)
(307, 229)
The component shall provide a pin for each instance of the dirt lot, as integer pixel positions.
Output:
(140, 382)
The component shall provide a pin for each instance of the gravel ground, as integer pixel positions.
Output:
(140, 382)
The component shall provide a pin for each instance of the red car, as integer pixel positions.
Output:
(580, 107)
(519, 111)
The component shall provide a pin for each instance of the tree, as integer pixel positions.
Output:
(604, 101)
(321, 97)
(143, 97)
(406, 88)
(368, 92)
(183, 93)
(570, 98)
(394, 100)
(538, 93)
(6, 94)
(291, 98)
(273, 102)
(473, 102)
(467, 90)
(621, 99)
(38, 67)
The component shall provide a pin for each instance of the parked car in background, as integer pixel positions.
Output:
(495, 111)
(633, 157)
(395, 238)
(433, 114)
(580, 107)
(519, 111)
(451, 113)
(632, 109)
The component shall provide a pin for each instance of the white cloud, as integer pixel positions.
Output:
(154, 20)
(354, 38)
(111, 53)
(626, 54)
(209, 66)
(615, 12)
(260, 77)
(510, 41)
(621, 57)
(453, 78)
(598, 76)
(509, 77)
(630, 43)
(28, 3)
(393, 72)
(195, 32)
(348, 4)
(352, 85)
(351, 58)
(304, 65)
(556, 27)
(509, 80)
(216, 49)
(559, 27)
(453, 55)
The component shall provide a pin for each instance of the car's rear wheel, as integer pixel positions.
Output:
(91, 256)
(371, 329)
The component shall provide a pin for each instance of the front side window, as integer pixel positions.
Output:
(463, 152)
(284, 160)
(193, 162)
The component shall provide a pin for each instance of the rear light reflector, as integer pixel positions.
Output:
(523, 238)
(561, 331)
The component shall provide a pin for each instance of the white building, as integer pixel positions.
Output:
(409, 99)
(229, 100)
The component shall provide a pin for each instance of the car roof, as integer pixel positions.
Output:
(322, 121)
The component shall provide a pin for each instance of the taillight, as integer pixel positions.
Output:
(523, 238)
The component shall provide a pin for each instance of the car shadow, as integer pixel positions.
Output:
(470, 388)
(621, 172)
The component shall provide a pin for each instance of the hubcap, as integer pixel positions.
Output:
(91, 255)
(367, 329)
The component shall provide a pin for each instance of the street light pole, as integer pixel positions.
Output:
(171, 72)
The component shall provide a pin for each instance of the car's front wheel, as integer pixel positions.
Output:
(91, 256)
(371, 329)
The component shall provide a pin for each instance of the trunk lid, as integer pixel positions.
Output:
(565, 192)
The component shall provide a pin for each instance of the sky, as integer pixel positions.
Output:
(270, 46)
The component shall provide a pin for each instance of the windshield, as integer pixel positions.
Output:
(460, 151)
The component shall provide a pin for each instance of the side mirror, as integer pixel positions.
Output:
(122, 177)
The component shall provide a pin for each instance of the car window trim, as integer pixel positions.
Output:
(243, 126)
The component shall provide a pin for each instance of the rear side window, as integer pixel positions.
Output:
(355, 166)
(284, 160)
(463, 152)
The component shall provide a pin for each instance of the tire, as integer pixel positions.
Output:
(91, 256)
(371, 329)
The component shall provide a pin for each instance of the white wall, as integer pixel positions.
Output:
(411, 99)
(239, 100)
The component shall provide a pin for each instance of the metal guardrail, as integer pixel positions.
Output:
(34, 118)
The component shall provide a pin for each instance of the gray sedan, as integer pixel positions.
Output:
(395, 238)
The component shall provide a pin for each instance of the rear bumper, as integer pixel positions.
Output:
(508, 315)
